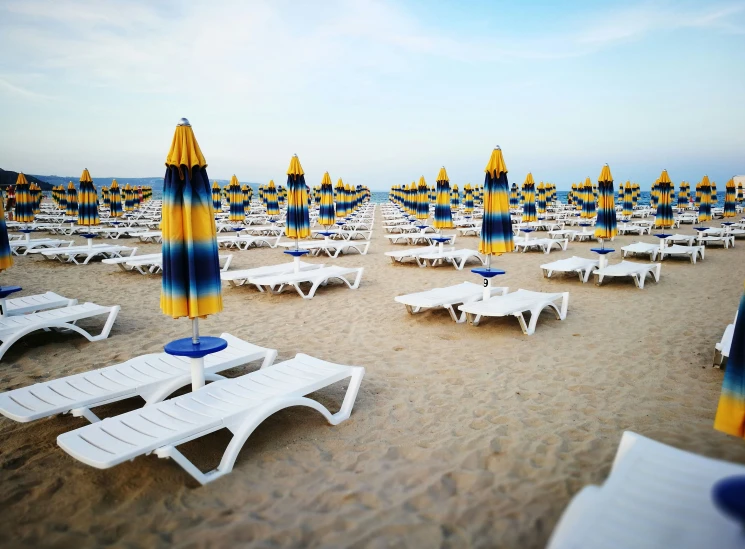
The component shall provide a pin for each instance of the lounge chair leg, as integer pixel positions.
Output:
(86, 413)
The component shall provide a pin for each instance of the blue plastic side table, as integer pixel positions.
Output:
(487, 274)
(196, 353)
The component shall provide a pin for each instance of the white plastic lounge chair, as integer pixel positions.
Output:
(563, 233)
(642, 248)
(332, 248)
(447, 298)
(127, 263)
(37, 243)
(457, 258)
(543, 244)
(73, 253)
(624, 228)
(315, 277)
(239, 404)
(656, 496)
(412, 254)
(691, 252)
(637, 271)
(721, 349)
(721, 240)
(152, 377)
(148, 264)
(13, 328)
(579, 265)
(687, 239)
(34, 303)
(244, 242)
(240, 277)
(150, 236)
(516, 304)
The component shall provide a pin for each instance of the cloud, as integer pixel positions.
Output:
(21, 92)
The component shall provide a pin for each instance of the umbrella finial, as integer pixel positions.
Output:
(497, 148)
(183, 122)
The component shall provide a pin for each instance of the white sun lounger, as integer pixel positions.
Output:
(411, 254)
(579, 265)
(126, 263)
(543, 244)
(13, 328)
(72, 253)
(151, 236)
(721, 349)
(241, 276)
(332, 248)
(722, 240)
(315, 277)
(239, 404)
(692, 252)
(35, 303)
(152, 377)
(244, 242)
(642, 248)
(516, 304)
(624, 228)
(637, 271)
(35, 244)
(447, 298)
(469, 231)
(656, 496)
(457, 258)
(687, 239)
(417, 238)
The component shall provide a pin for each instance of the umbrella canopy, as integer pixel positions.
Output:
(115, 197)
(704, 208)
(246, 192)
(72, 200)
(272, 201)
(88, 205)
(730, 417)
(605, 228)
(216, 197)
(730, 198)
(455, 197)
(467, 199)
(541, 198)
(24, 202)
(529, 212)
(191, 267)
(588, 201)
(443, 214)
(422, 200)
(298, 217)
(683, 195)
(714, 196)
(237, 212)
(326, 214)
(496, 225)
(514, 199)
(740, 193)
(628, 199)
(129, 199)
(341, 199)
(6, 258)
(664, 217)
(105, 196)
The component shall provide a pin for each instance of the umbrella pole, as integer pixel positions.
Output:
(197, 364)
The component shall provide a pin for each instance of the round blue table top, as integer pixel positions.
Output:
(441, 238)
(25, 230)
(602, 251)
(5, 291)
(186, 347)
(701, 228)
(662, 235)
(488, 273)
(296, 253)
(326, 233)
(88, 235)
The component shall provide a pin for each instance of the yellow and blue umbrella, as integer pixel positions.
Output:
(514, 200)
(683, 194)
(443, 213)
(24, 212)
(237, 213)
(115, 197)
(341, 199)
(496, 225)
(740, 193)
(730, 416)
(6, 257)
(588, 201)
(467, 199)
(72, 200)
(541, 199)
(730, 209)
(216, 197)
(105, 196)
(628, 199)
(129, 202)
(605, 228)
(246, 192)
(88, 201)
(298, 217)
(664, 216)
(272, 201)
(704, 208)
(326, 214)
(455, 197)
(529, 212)
(422, 200)
(714, 196)
(35, 197)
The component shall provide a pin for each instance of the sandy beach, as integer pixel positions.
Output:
(461, 436)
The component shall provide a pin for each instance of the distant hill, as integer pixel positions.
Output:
(155, 182)
(9, 178)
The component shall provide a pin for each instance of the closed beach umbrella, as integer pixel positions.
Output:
(704, 208)
(72, 200)
(454, 198)
(246, 192)
(272, 202)
(298, 217)
(529, 213)
(740, 193)
(654, 194)
(579, 196)
(730, 416)
(216, 197)
(35, 197)
(6, 258)
(605, 228)
(514, 199)
(443, 213)
(422, 201)
(496, 225)
(467, 199)
(714, 196)
(664, 217)
(129, 199)
(729, 199)
(115, 198)
(350, 198)
(326, 215)
(541, 199)
(683, 195)
(588, 201)
(637, 193)
(88, 201)
(628, 199)
(237, 213)
(341, 199)
(24, 212)
(105, 196)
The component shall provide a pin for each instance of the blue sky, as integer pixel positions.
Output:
(376, 92)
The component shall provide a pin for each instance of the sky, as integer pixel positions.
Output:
(376, 92)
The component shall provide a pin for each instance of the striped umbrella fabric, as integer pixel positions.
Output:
(514, 199)
(6, 257)
(298, 217)
(191, 268)
(35, 197)
(683, 194)
(129, 199)
(216, 197)
(541, 199)
(326, 214)
(422, 200)
(496, 225)
(704, 208)
(105, 196)
(341, 199)
(350, 195)
(455, 198)
(529, 212)
(24, 212)
(467, 199)
(237, 213)
(730, 209)
(714, 196)
(606, 228)
(628, 199)
(730, 416)
(588, 201)
(115, 198)
(443, 213)
(637, 193)
(664, 217)
(740, 193)
(246, 192)
(72, 200)
(272, 201)
(88, 205)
